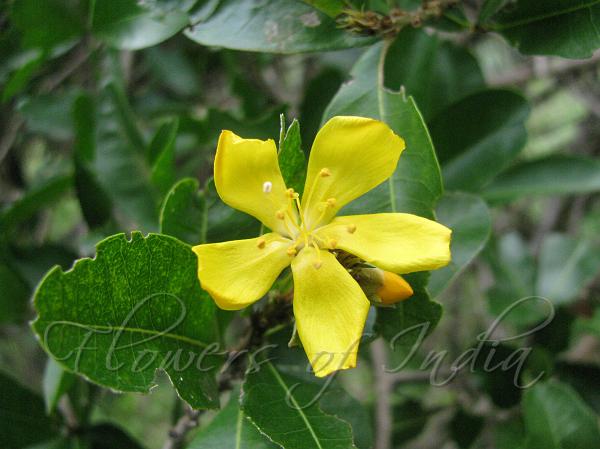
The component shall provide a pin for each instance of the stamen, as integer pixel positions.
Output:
(267, 187)
(325, 172)
(351, 228)
(333, 243)
(331, 202)
(291, 193)
(318, 263)
(291, 251)
(260, 243)
(280, 215)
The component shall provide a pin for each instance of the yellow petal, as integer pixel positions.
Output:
(350, 156)
(393, 288)
(240, 272)
(248, 178)
(400, 243)
(330, 310)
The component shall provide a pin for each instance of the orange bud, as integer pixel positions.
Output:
(393, 289)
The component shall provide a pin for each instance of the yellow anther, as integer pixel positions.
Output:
(280, 215)
(291, 251)
(317, 264)
(291, 193)
(331, 202)
(261, 243)
(324, 173)
(351, 228)
(333, 243)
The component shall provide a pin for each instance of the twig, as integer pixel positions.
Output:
(178, 432)
(383, 389)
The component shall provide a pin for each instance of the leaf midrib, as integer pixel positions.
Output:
(285, 388)
(528, 20)
(152, 332)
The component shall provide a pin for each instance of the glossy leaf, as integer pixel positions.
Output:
(291, 419)
(478, 137)
(161, 153)
(183, 214)
(567, 264)
(553, 175)
(556, 418)
(231, 429)
(567, 28)
(416, 184)
(292, 160)
(513, 294)
(129, 26)
(433, 71)
(133, 309)
(469, 218)
(274, 26)
(410, 320)
(225, 223)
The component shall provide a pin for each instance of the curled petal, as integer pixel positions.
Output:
(248, 178)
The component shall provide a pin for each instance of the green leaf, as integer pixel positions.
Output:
(280, 406)
(336, 401)
(23, 420)
(273, 26)
(49, 114)
(109, 436)
(183, 214)
(129, 26)
(230, 429)
(465, 427)
(567, 28)
(135, 308)
(556, 418)
(291, 158)
(317, 94)
(514, 273)
(121, 167)
(126, 116)
(96, 205)
(225, 223)
(84, 124)
(566, 265)
(38, 198)
(47, 23)
(469, 218)
(433, 71)
(332, 8)
(479, 136)
(416, 184)
(409, 321)
(15, 295)
(56, 382)
(552, 175)
(161, 153)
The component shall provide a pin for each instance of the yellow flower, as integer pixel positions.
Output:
(349, 157)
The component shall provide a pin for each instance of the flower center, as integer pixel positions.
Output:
(294, 218)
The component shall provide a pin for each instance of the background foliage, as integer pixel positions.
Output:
(109, 117)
